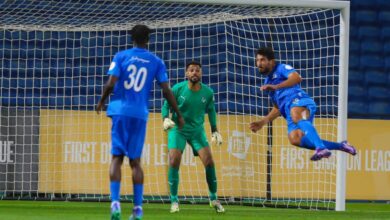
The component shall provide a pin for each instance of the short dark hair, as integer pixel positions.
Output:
(267, 52)
(140, 34)
(193, 62)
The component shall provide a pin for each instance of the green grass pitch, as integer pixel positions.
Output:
(34, 210)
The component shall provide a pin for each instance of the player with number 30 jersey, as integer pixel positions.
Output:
(132, 73)
(136, 70)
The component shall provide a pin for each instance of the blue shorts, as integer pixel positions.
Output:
(127, 136)
(303, 102)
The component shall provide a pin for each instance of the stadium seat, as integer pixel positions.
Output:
(387, 63)
(356, 77)
(385, 33)
(371, 47)
(384, 17)
(364, 4)
(378, 93)
(371, 61)
(357, 93)
(354, 61)
(375, 77)
(379, 108)
(354, 46)
(382, 4)
(386, 48)
(366, 32)
(357, 108)
(366, 17)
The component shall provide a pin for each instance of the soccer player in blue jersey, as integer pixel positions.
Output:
(132, 73)
(295, 105)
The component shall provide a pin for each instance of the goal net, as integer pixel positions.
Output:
(54, 59)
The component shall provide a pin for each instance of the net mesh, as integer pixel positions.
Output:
(54, 58)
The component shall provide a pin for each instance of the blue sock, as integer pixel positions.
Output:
(313, 140)
(115, 187)
(305, 143)
(332, 145)
(138, 194)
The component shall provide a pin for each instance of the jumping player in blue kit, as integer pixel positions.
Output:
(295, 105)
(132, 73)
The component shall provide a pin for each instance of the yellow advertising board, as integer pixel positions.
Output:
(368, 174)
(75, 156)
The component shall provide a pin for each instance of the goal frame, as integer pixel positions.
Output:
(344, 7)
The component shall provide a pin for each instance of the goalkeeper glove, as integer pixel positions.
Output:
(216, 138)
(168, 124)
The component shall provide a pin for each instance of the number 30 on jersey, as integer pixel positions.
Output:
(137, 78)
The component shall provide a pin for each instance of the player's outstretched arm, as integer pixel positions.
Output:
(272, 115)
(106, 92)
(168, 95)
(293, 79)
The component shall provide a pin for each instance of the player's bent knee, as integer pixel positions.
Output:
(208, 161)
(174, 160)
(135, 163)
(295, 138)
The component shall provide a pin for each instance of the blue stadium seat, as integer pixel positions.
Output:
(383, 4)
(378, 93)
(373, 77)
(356, 77)
(362, 4)
(379, 108)
(385, 33)
(366, 17)
(366, 32)
(386, 48)
(373, 47)
(354, 46)
(371, 61)
(357, 108)
(387, 63)
(357, 92)
(384, 17)
(353, 61)
(353, 32)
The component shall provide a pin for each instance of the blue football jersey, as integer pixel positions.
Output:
(282, 97)
(136, 70)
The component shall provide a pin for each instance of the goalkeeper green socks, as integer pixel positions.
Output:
(211, 178)
(173, 181)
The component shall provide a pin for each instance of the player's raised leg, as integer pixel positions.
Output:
(211, 178)
(310, 139)
(306, 136)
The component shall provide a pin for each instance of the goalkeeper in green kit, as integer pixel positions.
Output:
(194, 100)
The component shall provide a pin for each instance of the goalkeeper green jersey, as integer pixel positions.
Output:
(193, 106)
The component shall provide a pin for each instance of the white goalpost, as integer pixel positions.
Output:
(54, 59)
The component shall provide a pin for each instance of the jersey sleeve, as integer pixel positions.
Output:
(211, 112)
(166, 108)
(286, 70)
(161, 75)
(115, 69)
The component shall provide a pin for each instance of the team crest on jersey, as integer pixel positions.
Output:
(112, 66)
(274, 76)
(203, 100)
(288, 67)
